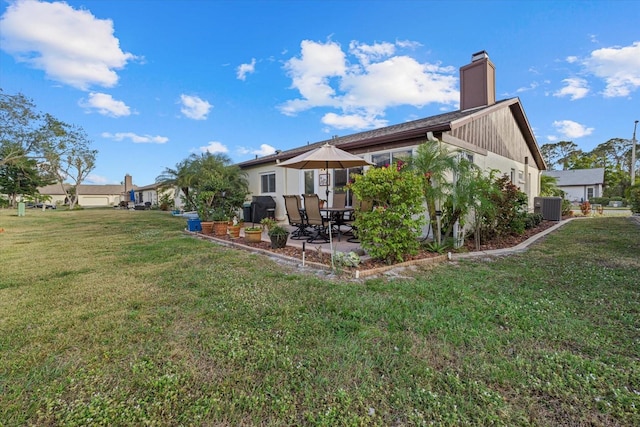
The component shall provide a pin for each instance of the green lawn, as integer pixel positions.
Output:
(111, 317)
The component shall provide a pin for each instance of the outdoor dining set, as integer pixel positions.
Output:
(315, 222)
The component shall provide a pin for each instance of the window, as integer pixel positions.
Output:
(386, 159)
(309, 182)
(268, 182)
(513, 176)
(589, 193)
(466, 156)
(341, 179)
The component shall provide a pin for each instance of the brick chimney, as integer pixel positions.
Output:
(128, 183)
(478, 82)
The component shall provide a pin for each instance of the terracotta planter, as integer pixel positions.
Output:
(219, 228)
(253, 236)
(234, 231)
(207, 227)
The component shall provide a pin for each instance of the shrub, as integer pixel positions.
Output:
(585, 208)
(508, 216)
(604, 201)
(391, 229)
(634, 198)
(532, 220)
(344, 259)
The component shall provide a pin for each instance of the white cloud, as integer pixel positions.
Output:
(214, 147)
(352, 121)
(135, 138)
(552, 138)
(194, 108)
(105, 105)
(570, 129)
(619, 67)
(375, 52)
(71, 46)
(245, 69)
(532, 86)
(362, 90)
(264, 150)
(575, 87)
(572, 59)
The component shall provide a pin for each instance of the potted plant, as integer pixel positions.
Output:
(234, 228)
(220, 221)
(253, 234)
(204, 213)
(277, 233)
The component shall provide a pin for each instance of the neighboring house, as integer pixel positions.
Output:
(88, 195)
(579, 185)
(92, 195)
(495, 135)
(112, 194)
(152, 193)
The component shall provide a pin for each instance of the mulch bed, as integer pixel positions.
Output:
(325, 258)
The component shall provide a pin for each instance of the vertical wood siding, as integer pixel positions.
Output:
(497, 132)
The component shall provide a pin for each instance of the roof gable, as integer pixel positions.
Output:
(415, 131)
(578, 176)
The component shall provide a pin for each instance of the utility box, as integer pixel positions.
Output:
(549, 207)
(21, 209)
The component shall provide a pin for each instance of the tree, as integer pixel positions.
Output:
(219, 186)
(209, 183)
(433, 162)
(68, 155)
(20, 128)
(558, 153)
(614, 152)
(181, 179)
(549, 186)
(21, 177)
(460, 198)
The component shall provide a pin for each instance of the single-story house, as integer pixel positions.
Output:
(88, 195)
(493, 134)
(579, 185)
(110, 194)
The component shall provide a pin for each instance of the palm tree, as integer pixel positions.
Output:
(461, 193)
(181, 179)
(433, 162)
(549, 186)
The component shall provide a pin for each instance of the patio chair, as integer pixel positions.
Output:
(339, 200)
(296, 218)
(315, 219)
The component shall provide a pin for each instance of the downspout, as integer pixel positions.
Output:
(527, 183)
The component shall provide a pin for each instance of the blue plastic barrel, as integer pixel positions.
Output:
(193, 224)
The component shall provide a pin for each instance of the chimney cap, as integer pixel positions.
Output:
(479, 55)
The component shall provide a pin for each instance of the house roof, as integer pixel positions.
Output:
(154, 186)
(56, 189)
(577, 176)
(413, 129)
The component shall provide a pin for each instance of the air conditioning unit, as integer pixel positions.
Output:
(549, 207)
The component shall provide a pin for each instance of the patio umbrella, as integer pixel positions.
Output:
(325, 157)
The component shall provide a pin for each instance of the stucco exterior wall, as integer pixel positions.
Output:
(579, 193)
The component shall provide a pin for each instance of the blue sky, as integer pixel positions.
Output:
(152, 81)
